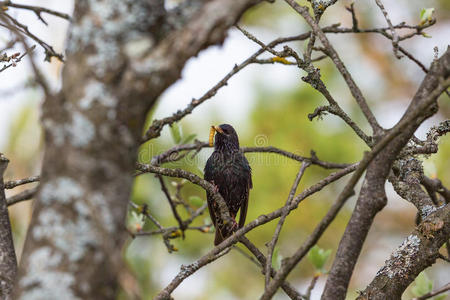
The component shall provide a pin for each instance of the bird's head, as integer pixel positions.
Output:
(226, 137)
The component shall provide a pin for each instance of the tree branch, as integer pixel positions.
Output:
(36, 9)
(372, 197)
(157, 125)
(17, 59)
(356, 92)
(414, 111)
(417, 252)
(263, 219)
(434, 293)
(14, 183)
(393, 32)
(286, 286)
(8, 261)
(272, 243)
(406, 183)
(186, 271)
(313, 79)
(172, 205)
(49, 51)
(22, 196)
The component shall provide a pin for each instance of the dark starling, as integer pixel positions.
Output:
(228, 169)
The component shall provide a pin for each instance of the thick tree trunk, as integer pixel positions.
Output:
(121, 55)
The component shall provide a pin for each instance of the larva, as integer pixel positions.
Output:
(211, 136)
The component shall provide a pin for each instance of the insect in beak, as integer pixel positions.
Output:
(212, 132)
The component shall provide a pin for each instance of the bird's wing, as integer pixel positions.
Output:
(245, 194)
(244, 205)
(210, 200)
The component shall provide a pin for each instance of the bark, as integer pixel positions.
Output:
(8, 262)
(121, 55)
(372, 197)
(417, 252)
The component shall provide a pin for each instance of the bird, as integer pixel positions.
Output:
(229, 171)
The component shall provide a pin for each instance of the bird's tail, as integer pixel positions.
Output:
(219, 237)
(222, 233)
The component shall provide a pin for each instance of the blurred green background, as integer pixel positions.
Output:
(273, 113)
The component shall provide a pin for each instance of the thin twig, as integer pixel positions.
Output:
(18, 59)
(172, 205)
(186, 271)
(157, 125)
(49, 51)
(311, 286)
(20, 34)
(172, 155)
(313, 78)
(36, 9)
(286, 286)
(354, 89)
(22, 196)
(146, 213)
(351, 9)
(434, 293)
(169, 230)
(313, 159)
(39, 77)
(273, 242)
(13, 183)
(395, 39)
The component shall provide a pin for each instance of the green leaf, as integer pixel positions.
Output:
(276, 259)
(426, 35)
(426, 15)
(318, 257)
(423, 285)
(175, 131)
(196, 201)
(189, 138)
(440, 297)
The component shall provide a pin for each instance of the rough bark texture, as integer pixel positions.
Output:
(8, 262)
(417, 252)
(121, 55)
(372, 197)
(405, 178)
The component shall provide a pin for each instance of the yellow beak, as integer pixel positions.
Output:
(212, 133)
(218, 129)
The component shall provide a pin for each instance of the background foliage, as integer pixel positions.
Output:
(276, 116)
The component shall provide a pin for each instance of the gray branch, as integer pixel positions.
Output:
(8, 261)
(417, 252)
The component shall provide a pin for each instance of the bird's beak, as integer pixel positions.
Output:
(212, 132)
(218, 129)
